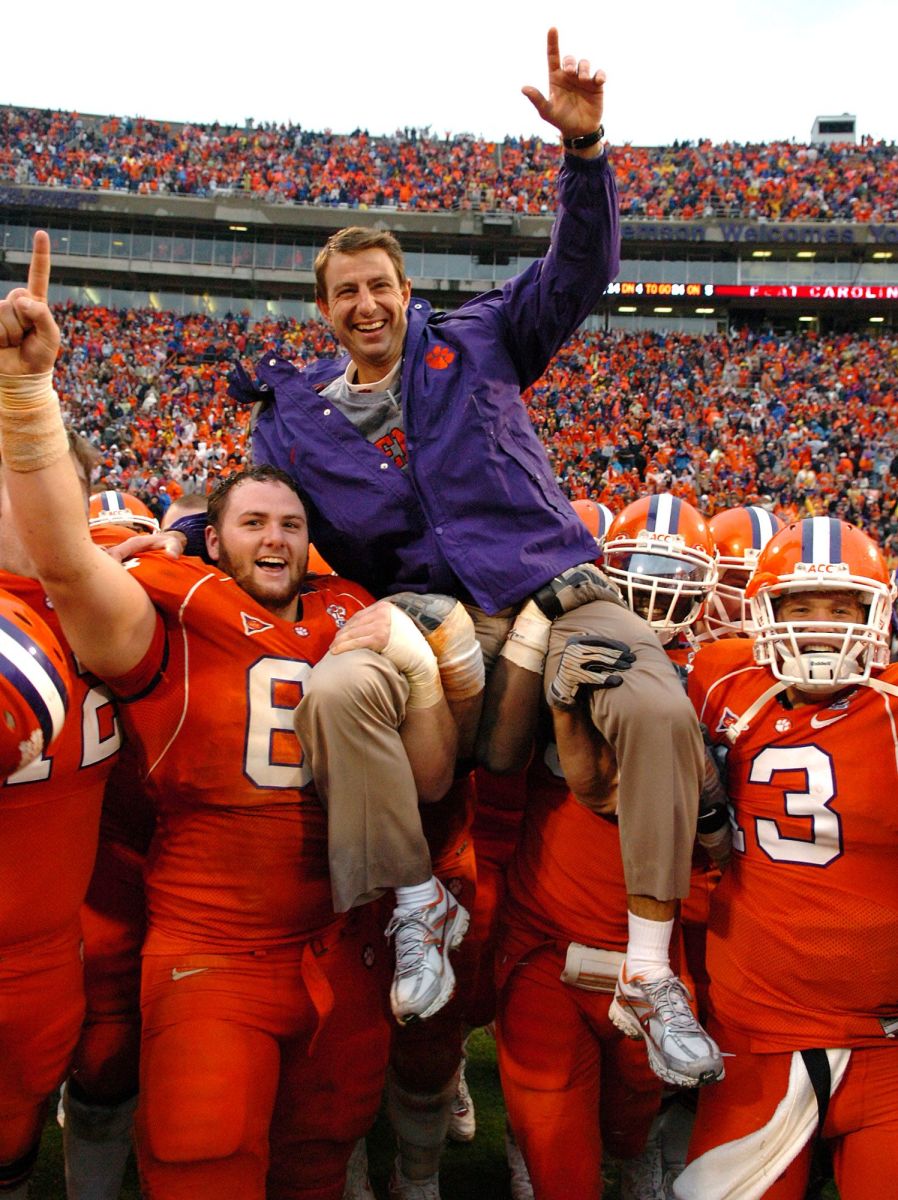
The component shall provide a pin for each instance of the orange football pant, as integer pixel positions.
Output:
(41, 1009)
(861, 1121)
(259, 1071)
(572, 1082)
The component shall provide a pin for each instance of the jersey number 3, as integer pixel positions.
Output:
(825, 829)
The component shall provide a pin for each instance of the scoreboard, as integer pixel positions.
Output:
(755, 291)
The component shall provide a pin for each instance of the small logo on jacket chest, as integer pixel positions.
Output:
(439, 357)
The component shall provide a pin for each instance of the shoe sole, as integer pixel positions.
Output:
(457, 932)
(627, 1023)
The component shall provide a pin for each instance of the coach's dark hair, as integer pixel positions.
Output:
(218, 498)
(353, 240)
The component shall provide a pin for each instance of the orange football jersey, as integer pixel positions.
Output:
(566, 877)
(239, 858)
(50, 810)
(802, 935)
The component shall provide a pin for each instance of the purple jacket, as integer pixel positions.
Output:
(477, 512)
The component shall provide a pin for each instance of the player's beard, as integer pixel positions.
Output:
(273, 597)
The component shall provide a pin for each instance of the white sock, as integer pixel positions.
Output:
(419, 894)
(648, 947)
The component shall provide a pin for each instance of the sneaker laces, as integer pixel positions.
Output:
(409, 949)
(669, 997)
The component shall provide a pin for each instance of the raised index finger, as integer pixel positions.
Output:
(39, 271)
(554, 58)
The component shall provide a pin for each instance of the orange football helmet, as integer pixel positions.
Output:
(660, 553)
(740, 534)
(596, 517)
(316, 564)
(821, 556)
(121, 508)
(34, 685)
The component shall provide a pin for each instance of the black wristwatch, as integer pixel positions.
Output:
(585, 140)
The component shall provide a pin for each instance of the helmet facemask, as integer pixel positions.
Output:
(665, 582)
(822, 656)
(728, 612)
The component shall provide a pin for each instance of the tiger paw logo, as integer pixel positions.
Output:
(439, 357)
(337, 614)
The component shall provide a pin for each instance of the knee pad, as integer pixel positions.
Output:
(196, 1094)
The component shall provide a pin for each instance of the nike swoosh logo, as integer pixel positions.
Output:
(817, 722)
(177, 974)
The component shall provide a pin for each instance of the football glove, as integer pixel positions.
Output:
(589, 661)
(573, 587)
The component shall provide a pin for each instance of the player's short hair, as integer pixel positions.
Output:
(184, 506)
(353, 240)
(218, 499)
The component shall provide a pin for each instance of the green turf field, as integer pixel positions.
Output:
(475, 1171)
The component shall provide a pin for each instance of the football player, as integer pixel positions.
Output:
(100, 1094)
(662, 555)
(118, 508)
(740, 534)
(659, 553)
(801, 941)
(574, 1087)
(60, 738)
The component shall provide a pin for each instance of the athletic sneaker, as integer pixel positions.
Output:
(413, 1189)
(520, 1187)
(358, 1185)
(424, 980)
(658, 1011)
(463, 1122)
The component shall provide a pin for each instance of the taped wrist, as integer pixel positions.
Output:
(407, 649)
(33, 433)
(527, 643)
(458, 654)
(449, 632)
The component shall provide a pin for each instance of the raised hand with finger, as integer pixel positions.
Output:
(29, 337)
(33, 433)
(575, 101)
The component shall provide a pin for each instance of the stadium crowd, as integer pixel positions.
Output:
(416, 168)
(800, 422)
(208, 968)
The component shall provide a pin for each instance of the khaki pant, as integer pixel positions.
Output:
(348, 723)
(650, 724)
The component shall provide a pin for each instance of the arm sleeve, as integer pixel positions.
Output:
(141, 679)
(545, 304)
